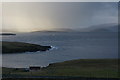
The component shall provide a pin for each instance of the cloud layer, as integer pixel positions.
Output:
(33, 16)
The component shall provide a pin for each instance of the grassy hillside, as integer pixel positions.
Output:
(18, 47)
(97, 68)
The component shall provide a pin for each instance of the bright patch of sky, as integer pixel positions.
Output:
(35, 16)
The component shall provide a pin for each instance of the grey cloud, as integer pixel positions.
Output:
(62, 14)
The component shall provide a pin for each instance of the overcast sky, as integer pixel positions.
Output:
(35, 16)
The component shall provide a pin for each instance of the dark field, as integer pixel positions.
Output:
(88, 68)
(60, 79)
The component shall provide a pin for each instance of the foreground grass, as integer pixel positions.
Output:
(78, 78)
(97, 68)
(19, 47)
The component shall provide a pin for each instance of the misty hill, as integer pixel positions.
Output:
(101, 30)
(58, 30)
(112, 27)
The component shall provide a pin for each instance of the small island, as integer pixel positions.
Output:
(20, 47)
(7, 34)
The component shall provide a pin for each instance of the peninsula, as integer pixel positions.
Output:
(20, 47)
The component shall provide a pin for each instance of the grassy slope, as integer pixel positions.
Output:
(99, 68)
(16, 47)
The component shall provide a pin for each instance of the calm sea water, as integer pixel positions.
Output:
(66, 46)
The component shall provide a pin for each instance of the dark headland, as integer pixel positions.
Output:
(20, 47)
